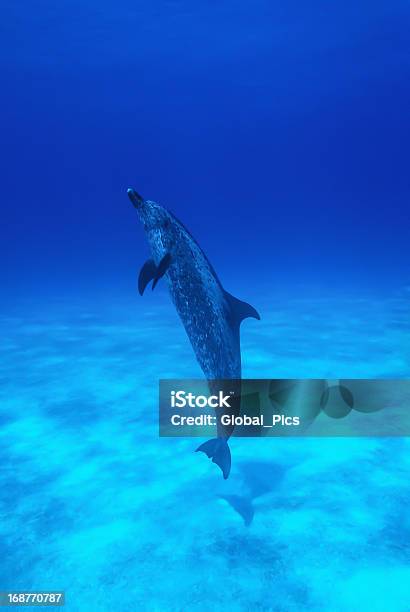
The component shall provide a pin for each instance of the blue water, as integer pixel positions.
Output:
(93, 502)
(279, 134)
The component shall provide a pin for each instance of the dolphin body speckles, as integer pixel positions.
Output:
(210, 315)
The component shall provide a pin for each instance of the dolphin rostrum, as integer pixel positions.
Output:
(210, 315)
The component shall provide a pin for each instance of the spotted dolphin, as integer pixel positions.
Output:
(211, 316)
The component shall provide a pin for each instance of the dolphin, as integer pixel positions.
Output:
(211, 316)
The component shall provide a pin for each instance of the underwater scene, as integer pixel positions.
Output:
(96, 504)
(278, 134)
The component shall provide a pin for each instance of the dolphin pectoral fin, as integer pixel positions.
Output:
(147, 273)
(218, 450)
(241, 310)
(161, 268)
(150, 271)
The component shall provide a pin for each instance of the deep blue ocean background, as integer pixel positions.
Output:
(279, 133)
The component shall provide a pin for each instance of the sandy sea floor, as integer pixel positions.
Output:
(93, 502)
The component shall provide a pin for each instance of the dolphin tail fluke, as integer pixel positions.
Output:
(218, 450)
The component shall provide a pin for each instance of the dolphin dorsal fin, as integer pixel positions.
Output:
(240, 310)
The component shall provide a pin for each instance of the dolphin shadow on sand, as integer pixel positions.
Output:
(258, 479)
